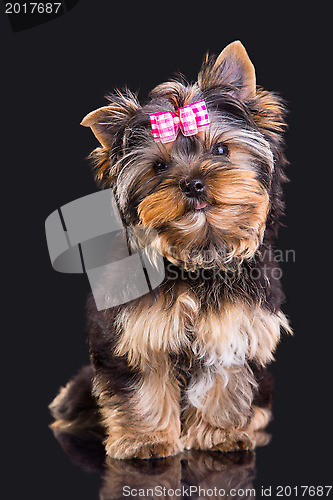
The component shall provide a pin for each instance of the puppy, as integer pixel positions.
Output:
(184, 366)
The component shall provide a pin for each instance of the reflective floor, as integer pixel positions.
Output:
(192, 474)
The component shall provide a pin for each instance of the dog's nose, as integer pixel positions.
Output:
(193, 187)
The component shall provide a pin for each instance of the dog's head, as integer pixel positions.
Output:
(207, 195)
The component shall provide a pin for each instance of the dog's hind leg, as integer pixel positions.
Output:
(75, 408)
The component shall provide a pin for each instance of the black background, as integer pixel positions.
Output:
(55, 73)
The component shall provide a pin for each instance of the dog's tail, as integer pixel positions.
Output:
(75, 408)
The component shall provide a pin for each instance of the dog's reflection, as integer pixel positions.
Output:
(192, 474)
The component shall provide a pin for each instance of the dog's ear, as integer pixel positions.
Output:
(232, 69)
(109, 125)
(110, 121)
(99, 122)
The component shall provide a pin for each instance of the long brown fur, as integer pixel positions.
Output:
(183, 366)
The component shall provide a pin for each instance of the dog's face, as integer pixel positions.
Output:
(207, 196)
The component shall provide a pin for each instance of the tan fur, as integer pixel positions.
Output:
(227, 403)
(201, 434)
(155, 328)
(162, 206)
(268, 112)
(229, 190)
(219, 401)
(151, 424)
(242, 230)
(238, 331)
(260, 419)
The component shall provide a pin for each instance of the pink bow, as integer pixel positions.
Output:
(165, 125)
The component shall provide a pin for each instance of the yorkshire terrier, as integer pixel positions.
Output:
(184, 366)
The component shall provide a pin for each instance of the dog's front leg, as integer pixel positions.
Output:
(144, 422)
(219, 410)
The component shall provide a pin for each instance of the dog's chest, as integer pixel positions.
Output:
(227, 336)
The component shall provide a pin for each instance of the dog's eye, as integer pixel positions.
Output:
(159, 167)
(220, 149)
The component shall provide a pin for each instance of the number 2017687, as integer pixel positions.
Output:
(304, 491)
(32, 8)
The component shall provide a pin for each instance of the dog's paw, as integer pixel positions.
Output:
(235, 441)
(143, 447)
(157, 450)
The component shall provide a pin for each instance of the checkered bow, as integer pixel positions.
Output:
(165, 125)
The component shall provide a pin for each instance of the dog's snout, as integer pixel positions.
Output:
(192, 187)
